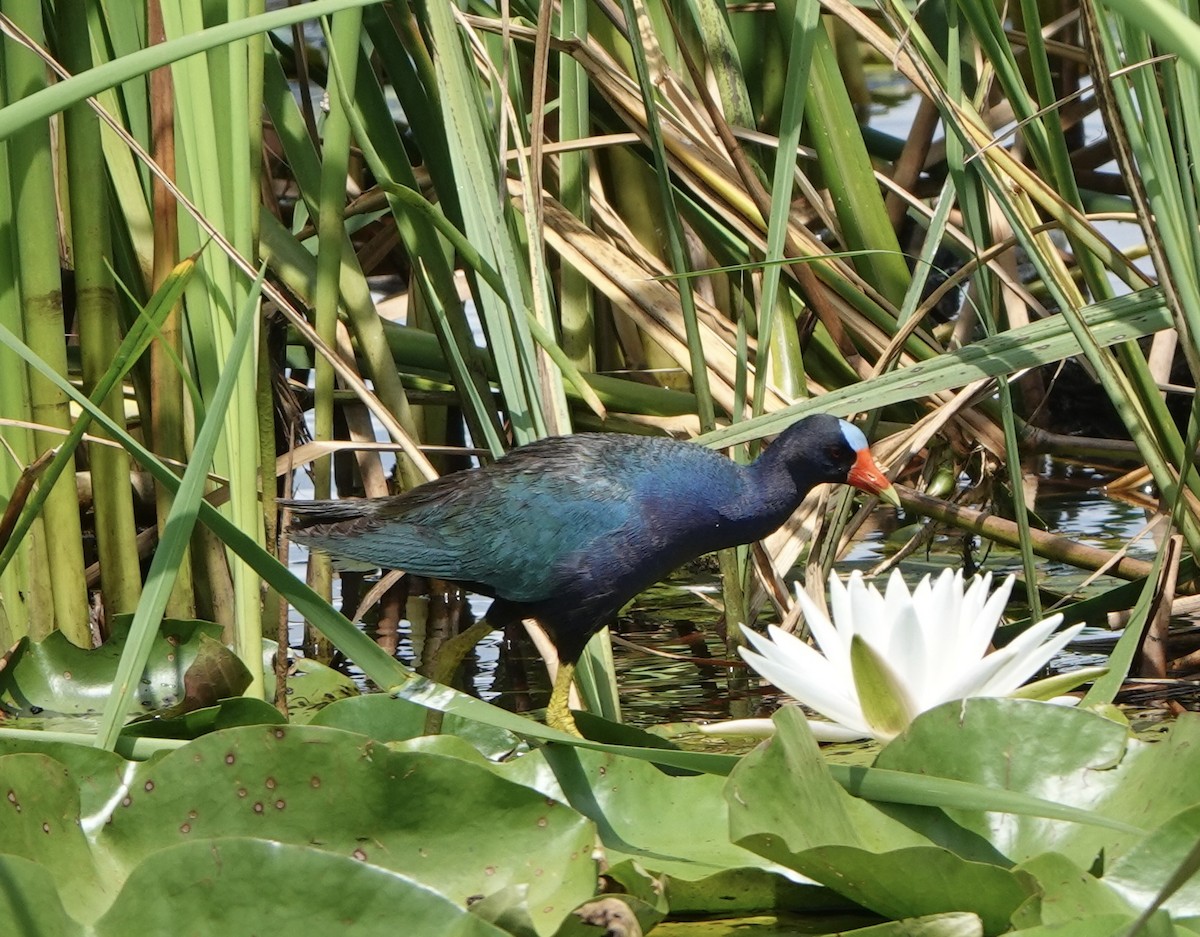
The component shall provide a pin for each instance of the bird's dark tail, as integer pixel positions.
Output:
(306, 514)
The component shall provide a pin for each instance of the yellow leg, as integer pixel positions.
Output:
(558, 712)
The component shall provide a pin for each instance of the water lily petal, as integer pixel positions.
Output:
(833, 644)
(897, 590)
(1030, 659)
(832, 732)
(805, 675)
(740, 728)
(765, 728)
(786, 650)
(976, 596)
(996, 674)
(1026, 654)
(840, 611)
(869, 616)
(945, 599)
(908, 650)
(979, 629)
(971, 680)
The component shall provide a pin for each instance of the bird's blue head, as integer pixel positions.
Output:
(823, 448)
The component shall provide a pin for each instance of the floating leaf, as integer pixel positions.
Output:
(39, 822)
(675, 827)
(54, 677)
(249, 886)
(29, 902)
(390, 719)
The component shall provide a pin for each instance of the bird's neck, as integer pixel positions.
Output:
(769, 496)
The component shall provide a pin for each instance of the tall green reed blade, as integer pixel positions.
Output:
(1151, 115)
(670, 219)
(32, 190)
(341, 40)
(973, 201)
(846, 170)
(1123, 373)
(354, 293)
(1028, 346)
(99, 336)
(778, 349)
(488, 224)
(177, 532)
(218, 167)
(376, 133)
(367, 326)
(576, 307)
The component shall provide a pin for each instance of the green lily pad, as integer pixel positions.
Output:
(1060, 754)
(29, 902)
(188, 669)
(785, 806)
(1100, 925)
(39, 822)
(238, 711)
(954, 924)
(92, 770)
(675, 827)
(235, 885)
(389, 719)
(1008, 868)
(455, 826)
(311, 685)
(1066, 893)
(433, 821)
(1140, 874)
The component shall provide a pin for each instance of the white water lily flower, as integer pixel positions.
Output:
(887, 658)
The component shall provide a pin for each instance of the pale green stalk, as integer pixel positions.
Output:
(417, 223)
(25, 585)
(846, 167)
(365, 323)
(63, 94)
(670, 218)
(328, 215)
(974, 204)
(577, 315)
(33, 197)
(124, 357)
(215, 164)
(99, 337)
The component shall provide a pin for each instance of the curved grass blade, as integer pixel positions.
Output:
(177, 532)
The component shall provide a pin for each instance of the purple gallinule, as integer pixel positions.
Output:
(568, 529)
